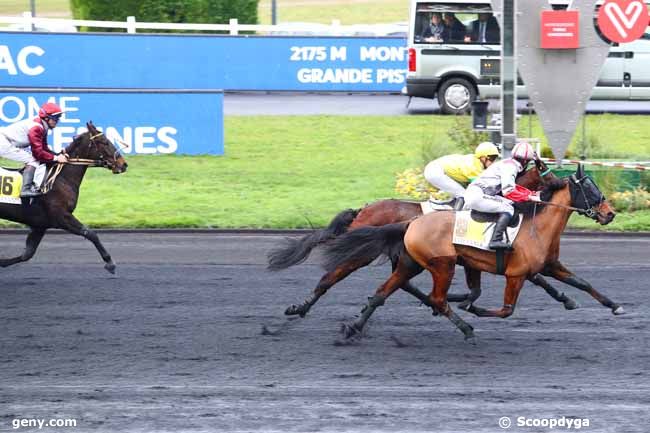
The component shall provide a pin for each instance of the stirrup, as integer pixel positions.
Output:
(29, 192)
(500, 245)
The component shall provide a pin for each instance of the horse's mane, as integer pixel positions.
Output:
(76, 141)
(527, 208)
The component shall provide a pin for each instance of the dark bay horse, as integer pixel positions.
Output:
(427, 243)
(54, 209)
(381, 213)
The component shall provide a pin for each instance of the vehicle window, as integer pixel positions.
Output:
(438, 23)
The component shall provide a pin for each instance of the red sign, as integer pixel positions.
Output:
(560, 29)
(623, 20)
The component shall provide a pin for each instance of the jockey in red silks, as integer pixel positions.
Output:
(495, 190)
(15, 138)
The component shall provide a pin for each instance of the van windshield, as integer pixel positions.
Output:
(455, 24)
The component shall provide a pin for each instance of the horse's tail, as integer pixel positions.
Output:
(365, 244)
(296, 251)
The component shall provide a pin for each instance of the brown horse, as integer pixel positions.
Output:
(381, 213)
(54, 209)
(427, 242)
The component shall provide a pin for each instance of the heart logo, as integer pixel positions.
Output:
(624, 21)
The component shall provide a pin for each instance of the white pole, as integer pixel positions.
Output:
(131, 28)
(233, 26)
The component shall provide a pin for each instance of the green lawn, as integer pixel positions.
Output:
(347, 11)
(290, 172)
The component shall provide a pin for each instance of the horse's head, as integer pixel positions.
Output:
(94, 145)
(586, 196)
(536, 177)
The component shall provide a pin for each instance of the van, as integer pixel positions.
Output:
(459, 61)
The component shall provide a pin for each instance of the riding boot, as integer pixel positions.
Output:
(29, 188)
(459, 203)
(497, 241)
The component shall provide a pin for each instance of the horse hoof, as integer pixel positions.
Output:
(348, 331)
(570, 304)
(470, 339)
(618, 310)
(291, 311)
(110, 267)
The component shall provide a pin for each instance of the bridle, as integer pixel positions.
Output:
(101, 162)
(54, 171)
(589, 207)
(588, 210)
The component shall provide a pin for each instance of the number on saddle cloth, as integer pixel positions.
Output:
(11, 182)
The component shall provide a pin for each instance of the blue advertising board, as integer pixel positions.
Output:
(87, 60)
(147, 122)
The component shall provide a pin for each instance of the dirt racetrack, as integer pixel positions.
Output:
(174, 343)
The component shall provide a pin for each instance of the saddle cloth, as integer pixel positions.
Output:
(11, 182)
(434, 205)
(470, 232)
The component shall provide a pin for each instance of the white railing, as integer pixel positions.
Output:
(27, 22)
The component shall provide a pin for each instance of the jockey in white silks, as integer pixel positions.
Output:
(26, 141)
(495, 190)
(452, 173)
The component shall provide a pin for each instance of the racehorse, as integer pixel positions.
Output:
(54, 209)
(427, 243)
(381, 213)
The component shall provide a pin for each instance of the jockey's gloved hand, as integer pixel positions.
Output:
(534, 197)
(61, 158)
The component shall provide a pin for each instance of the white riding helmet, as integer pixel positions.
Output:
(523, 151)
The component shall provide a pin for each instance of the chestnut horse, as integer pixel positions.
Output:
(381, 213)
(54, 209)
(427, 242)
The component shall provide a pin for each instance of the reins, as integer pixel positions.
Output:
(54, 171)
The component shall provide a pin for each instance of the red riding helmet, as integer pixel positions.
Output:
(50, 110)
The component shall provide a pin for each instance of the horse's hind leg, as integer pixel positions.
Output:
(71, 224)
(560, 273)
(540, 281)
(31, 244)
(473, 279)
(406, 269)
(326, 281)
(510, 295)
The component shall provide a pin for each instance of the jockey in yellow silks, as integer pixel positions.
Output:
(452, 173)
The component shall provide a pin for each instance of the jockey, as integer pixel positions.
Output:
(483, 194)
(15, 138)
(452, 173)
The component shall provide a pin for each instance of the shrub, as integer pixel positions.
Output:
(167, 11)
(411, 183)
(630, 201)
(459, 138)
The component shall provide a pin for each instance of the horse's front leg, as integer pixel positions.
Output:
(31, 244)
(560, 273)
(71, 224)
(538, 280)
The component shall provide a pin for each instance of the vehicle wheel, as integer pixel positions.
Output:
(455, 96)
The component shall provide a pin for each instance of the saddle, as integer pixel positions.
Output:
(485, 217)
(432, 205)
